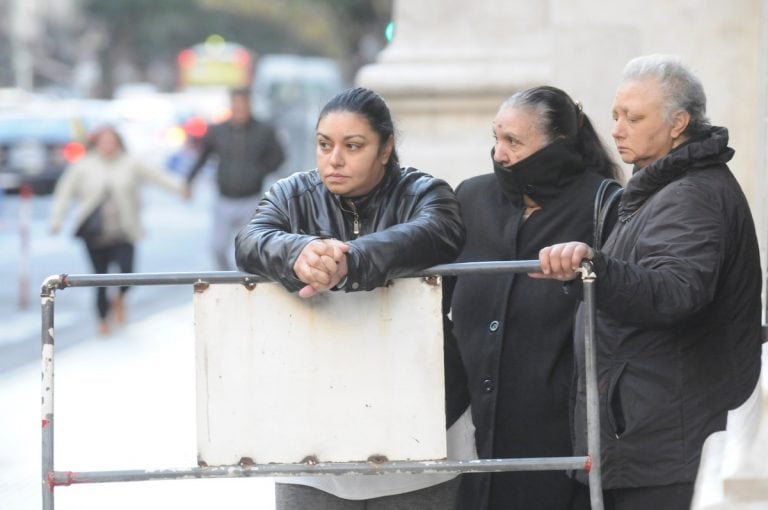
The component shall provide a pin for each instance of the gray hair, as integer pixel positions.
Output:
(537, 105)
(681, 89)
(555, 116)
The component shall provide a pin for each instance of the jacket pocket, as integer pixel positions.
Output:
(615, 410)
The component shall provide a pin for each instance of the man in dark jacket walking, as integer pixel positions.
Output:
(678, 292)
(248, 151)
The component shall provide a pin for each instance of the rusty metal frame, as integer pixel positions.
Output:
(52, 478)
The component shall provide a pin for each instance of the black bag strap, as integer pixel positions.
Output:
(607, 196)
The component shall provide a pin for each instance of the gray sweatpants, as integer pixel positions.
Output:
(229, 216)
(301, 497)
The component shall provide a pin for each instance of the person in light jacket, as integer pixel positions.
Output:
(106, 184)
(678, 283)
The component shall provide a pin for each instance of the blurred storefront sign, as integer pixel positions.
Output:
(215, 62)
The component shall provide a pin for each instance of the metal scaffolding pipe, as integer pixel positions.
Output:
(588, 277)
(64, 478)
(64, 281)
(52, 478)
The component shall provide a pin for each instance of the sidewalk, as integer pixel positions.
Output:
(122, 402)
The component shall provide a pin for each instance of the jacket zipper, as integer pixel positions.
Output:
(355, 217)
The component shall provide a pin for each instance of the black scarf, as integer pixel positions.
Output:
(543, 175)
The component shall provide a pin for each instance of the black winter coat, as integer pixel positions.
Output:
(515, 334)
(678, 321)
(410, 221)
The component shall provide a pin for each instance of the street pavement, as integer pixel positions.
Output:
(176, 239)
(126, 401)
(122, 402)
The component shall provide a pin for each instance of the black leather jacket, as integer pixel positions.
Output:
(410, 221)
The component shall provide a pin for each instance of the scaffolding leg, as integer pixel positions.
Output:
(47, 303)
(593, 407)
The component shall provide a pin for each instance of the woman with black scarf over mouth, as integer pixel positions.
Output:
(515, 334)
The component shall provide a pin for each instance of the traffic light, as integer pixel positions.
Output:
(389, 32)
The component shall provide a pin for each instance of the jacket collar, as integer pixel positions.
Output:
(373, 196)
(543, 175)
(707, 148)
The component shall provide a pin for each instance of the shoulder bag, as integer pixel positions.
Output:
(93, 225)
(607, 196)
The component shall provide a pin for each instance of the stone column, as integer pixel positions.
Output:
(447, 70)
(451, 63)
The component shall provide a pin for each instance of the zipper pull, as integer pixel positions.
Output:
(355, 218)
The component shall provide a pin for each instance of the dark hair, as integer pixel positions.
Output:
(95, 134)
(558, 116)
(372, 107)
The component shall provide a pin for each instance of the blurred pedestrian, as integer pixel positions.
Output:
(106, 184)
(248, 150)
(515, 334)
(678, 284)
(354, 223)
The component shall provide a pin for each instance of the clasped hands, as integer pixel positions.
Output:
(322, 264)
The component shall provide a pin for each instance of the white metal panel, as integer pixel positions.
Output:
(341, 376)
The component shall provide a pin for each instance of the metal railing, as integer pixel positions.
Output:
(52, 478)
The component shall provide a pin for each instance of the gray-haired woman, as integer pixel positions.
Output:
(678, 292)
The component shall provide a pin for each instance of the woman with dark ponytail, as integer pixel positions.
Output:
(333, 227)
(557, 117)
(354, 223)
(515, 334)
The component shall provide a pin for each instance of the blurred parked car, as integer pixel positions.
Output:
(35, 149)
